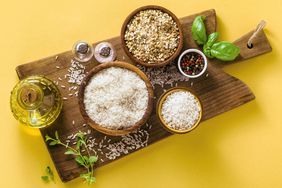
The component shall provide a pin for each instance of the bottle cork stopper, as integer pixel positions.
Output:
(28, 96)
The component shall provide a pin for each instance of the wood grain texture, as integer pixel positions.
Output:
(219, 92)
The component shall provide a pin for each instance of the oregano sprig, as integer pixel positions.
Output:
(49, 175)
(85, 160)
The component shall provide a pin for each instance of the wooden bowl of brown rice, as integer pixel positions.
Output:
(179, 110)
(152, 36)
(116, 98)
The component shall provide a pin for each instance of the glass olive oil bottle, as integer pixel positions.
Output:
(36, 102)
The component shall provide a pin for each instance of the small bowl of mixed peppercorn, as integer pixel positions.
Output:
(192, 63)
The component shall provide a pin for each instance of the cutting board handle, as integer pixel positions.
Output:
(260, 45)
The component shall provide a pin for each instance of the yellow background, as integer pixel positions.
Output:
(241, 148)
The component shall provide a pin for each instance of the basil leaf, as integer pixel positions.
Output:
(207, 51)
(225, 51)
(212, 38)
(199, 30)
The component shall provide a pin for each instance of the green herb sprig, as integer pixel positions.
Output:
(223, 50)
(49, 175)
(87, 161)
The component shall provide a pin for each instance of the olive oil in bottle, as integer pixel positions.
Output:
(36, 102)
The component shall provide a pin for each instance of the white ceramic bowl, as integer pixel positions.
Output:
(195, 51)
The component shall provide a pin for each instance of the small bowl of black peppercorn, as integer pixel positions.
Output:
(192, 63)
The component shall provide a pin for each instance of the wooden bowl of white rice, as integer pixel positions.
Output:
(116, 98)
(179, 110)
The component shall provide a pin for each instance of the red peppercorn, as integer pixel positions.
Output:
(192, 63)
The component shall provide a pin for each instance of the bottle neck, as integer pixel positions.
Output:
(30, 96)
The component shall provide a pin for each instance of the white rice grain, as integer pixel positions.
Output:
(181, 110)
(116, 98)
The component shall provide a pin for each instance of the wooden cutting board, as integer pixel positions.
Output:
(218, 91)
